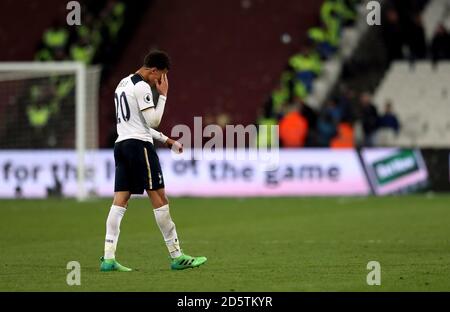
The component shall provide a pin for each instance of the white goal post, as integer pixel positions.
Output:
(85, 97)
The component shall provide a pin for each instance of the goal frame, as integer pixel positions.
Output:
(79, 69)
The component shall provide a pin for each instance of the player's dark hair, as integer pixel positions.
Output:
(158, 59)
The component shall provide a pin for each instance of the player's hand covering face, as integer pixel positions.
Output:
(162, 85)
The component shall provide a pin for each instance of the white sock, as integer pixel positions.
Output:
(112, 230)
(168, 230)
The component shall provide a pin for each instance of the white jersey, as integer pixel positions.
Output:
(132, 96)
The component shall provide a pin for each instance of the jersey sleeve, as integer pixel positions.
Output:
(143, 94)
(157, 135)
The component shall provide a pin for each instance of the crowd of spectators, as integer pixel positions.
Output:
(88, 42)
(299, 124)
(404, 33)
(48, 104)
(348, 118)
(336, 123)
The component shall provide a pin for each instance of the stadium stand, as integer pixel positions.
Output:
(214, 70)
(418, 89)
(436, 12)
(420, 93)
(311, 74)
(308, 51)
(105, 26)
(409, 81)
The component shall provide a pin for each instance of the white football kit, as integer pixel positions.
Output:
(137, 169)
(132, 96)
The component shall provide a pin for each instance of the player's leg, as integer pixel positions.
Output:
(179, 261)
(121, 198)
(154, 183)
(113, 221)
(158, 198)
(116, 213)
(164, 220)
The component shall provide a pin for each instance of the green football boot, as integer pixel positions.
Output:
(186, 262)
(110, 265)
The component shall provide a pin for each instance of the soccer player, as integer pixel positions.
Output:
(137, 164)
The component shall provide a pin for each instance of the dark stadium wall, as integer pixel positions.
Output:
(23, 23)
(227, 55)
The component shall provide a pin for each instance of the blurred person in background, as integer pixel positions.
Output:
(440, 44)
(267, 120)
(311, 117)
(389, 119)
(415, 37)
(369, 119)
(308, 112)
(334, 14)
(392, 34)
(326, 128)
(345, 135)
(334, 110)
(293, 128)
(54, 43)
(280, 95)
(307, 66)
(346, 103)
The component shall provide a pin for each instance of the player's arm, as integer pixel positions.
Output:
(152, 114)
(158, 136)
(176, 146)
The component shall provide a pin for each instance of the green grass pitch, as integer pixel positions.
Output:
(277, 244)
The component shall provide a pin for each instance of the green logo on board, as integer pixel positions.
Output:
(395, 166)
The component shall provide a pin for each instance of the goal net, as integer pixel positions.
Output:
(51, 107)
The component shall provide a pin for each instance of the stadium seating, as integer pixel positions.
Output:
(350, 39)
(420, 95)
(435, 12)
(214, 69)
